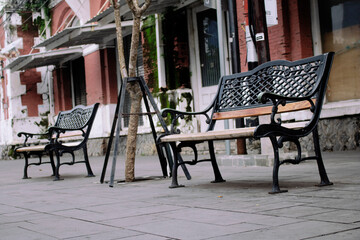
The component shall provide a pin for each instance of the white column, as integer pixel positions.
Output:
(221, 34)
(160, 52)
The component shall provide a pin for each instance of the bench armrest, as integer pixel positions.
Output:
(277, 100)
(28, 135)
(176, 114)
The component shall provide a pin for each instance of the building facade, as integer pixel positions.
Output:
(72, 59)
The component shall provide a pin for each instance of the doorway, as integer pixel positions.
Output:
(78, 84)
(204, 43)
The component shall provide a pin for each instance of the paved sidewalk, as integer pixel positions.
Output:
(241, 208)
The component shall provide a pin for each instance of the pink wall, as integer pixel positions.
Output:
(100, 74)
(93, 76)
(62, 89)
(30, 77)
(61, 14)
(109, 75)
(95, 6)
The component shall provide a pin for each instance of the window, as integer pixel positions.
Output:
(209, 47)
(78, 85)
(340, 32)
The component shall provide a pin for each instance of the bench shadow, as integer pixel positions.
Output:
(261, 186)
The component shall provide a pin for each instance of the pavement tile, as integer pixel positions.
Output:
(337, 216)
(110, 235)
(179, 229)
(21, 216)
(4, 209)
(210, 216)
(63, 228)
(332, 193)
(16, 233)
(125, 222)
(226, 218)
(145, 237)
(241, 208)
(345, 235)
(297, 211)
(345, 204)
(300, 230)
(97, 214)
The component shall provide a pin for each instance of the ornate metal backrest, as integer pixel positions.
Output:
(77, 118)
(291, 79)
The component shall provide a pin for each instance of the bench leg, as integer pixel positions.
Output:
(218, 177)
(51, 156)
(87, 163)
(276, 187)
(26, 166)
(174, 181)
(57, 175)
(324, 180)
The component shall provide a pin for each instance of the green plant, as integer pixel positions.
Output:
(36, 6)
(25, 27)
(43, 124)
(150, 52)
(188, 97)
(40, 24)
(12, 153)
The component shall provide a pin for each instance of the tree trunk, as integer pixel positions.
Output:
(133, 88)
(120, 44)
(135, 96)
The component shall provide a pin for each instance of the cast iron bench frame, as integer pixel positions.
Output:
(72, 124)
(271, 88)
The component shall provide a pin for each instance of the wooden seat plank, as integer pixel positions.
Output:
(223, 135)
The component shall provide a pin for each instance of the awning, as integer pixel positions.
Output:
(55, 57)
(75, 36)
(101, 28)
(156, 6)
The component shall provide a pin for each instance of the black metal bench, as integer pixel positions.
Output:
(271, 88)
(69, 134)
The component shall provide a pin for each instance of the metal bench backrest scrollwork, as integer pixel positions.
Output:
(306, 78)
(79, 118)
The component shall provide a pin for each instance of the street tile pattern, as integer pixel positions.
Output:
(241, 208)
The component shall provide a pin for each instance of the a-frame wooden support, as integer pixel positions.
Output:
(147, 97)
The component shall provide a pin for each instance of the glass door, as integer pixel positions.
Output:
(208, 47)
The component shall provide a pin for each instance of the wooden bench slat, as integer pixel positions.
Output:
(223, 135)
(71, 134)
(71, 144)
(38, 148)
(41, 148)
(251, 112)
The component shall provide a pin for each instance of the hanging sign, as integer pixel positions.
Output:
(260, 37)
(210, 3)
(271, 12)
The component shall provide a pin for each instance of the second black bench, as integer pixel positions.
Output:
(69, 134)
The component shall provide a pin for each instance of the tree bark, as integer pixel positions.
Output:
(120, 44)
(135, 96)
